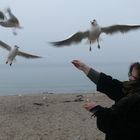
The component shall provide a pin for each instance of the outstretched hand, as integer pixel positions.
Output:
(78, 64)
(81, 66)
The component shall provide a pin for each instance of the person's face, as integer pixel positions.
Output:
(134, 74)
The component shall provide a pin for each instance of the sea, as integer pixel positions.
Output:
(54, 77)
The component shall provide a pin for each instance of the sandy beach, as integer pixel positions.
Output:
(49, 117)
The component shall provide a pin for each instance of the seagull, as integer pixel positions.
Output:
(93, 34)
(13, 52)
(11, 22)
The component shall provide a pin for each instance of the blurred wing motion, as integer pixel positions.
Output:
(5, 46)
(11, 21)
(76, 38)
(119, 28)
(27, 55)
(13, 18)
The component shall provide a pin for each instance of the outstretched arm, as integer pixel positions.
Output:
(105, 84)
(92, 74)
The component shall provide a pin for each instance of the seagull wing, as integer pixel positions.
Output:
(27, 55)
(5, 46)
(11, 15)
(2, 16)
(76, 38)
(13, 18)
(119, 28)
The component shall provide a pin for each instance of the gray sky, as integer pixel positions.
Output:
(53, 20)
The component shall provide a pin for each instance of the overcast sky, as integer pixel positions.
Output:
(53, 20)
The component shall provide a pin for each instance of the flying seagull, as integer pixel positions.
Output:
(13, 52)
(93, 34)
(11, 22)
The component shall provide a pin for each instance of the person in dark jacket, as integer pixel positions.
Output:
(122, 120)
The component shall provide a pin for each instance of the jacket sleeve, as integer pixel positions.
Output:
(109, 86)
(122, 117)
(93, 75)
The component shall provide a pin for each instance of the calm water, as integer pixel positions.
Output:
(56, 78)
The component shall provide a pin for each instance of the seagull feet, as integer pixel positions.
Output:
(99, 46)
(6, 62)
(10, 64)
(90, 48)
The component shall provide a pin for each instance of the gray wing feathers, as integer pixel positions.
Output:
(119, 28)
(27, 55)
(5, 46)
(76, 38)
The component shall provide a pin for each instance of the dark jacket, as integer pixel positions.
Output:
(122, 120)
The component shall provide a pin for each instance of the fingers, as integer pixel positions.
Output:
(76, 63)
(89, 106)
(81, 66)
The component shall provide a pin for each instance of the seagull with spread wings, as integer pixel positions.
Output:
(13, 52)
(93, 34)
(11, 21)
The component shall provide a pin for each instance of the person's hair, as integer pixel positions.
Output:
(137, 66)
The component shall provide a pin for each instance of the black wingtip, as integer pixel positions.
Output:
(39, 57)
(36, 57)
(55, 44)
(52, 43)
